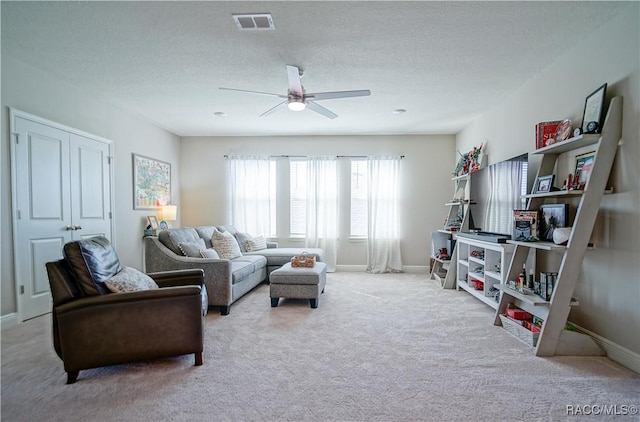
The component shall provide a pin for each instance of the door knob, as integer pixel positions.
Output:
(77, 227)
(70, 228)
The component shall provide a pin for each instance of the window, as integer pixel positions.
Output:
(297, 198)
(253, 193)
(358, 198)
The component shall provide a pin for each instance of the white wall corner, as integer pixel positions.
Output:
(614, 351)
(8, 320)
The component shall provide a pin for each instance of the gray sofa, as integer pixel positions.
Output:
(226, 280)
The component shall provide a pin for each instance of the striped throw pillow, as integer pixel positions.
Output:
(256, 244)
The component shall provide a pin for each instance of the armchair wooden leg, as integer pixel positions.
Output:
(198, 356)
(72, 376)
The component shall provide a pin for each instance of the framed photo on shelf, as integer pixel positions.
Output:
(544, 184)
(153, 222)
(592, 117)
(552, 216)
(151, 183)
(584, 164)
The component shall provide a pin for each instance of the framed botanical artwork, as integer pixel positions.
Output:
(151, 183)
(552, 216)
(584, 164)
(544, 184)
(592, 117)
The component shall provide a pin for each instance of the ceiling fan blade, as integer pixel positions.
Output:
(274, 108)
(295, 85)
(319, 109)
(338, 94)
(254, 92)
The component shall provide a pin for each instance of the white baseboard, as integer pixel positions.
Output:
(614, 351)
(352, 268)
(8, 320)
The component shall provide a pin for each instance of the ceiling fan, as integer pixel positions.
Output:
(297, 100)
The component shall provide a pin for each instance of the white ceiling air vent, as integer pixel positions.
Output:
(254, 21)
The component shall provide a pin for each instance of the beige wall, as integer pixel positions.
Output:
(425, 172)
(608, 289)
(32, 91)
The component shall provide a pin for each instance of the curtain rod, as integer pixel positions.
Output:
(307, 156)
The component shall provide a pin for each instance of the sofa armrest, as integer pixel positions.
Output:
(272, 245)
(217, 272)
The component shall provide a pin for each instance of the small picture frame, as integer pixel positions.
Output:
(153, 222)
(544, 184)
(584, 165)
(552, 216)
(592, 116)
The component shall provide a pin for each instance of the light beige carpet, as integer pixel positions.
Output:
(378, 348)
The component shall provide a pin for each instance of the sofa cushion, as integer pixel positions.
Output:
(255, 244)
(206, 233)
(130, 280)
(192, 249)
(280, 256)
(240, 270)
(209, 253)
(171, 237)
(226, 245)
(257, 261)
(92, 261)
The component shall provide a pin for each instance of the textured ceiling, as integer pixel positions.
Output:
(444, 62)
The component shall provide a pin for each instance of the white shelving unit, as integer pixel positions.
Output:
(481, 268)
(458, 217)
(553, 338)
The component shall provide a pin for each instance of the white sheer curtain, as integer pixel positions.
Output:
(505, 195)
(322, 207)
(383, 243)
(250, 194)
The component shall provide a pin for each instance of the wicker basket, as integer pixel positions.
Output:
(304, 260)
(517, 330)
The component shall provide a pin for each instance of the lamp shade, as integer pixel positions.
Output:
(169, 212)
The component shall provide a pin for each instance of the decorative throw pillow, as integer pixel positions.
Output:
(209, 253)
(130, 280)
(192, 249)
(242, 240)
(256, 244)
(226, 245)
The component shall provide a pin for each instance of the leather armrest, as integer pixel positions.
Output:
(178, 277)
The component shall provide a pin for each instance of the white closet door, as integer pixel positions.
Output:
(90, 195)
(43, 208)
(62, 192)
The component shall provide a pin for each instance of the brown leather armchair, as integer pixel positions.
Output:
(93, 327)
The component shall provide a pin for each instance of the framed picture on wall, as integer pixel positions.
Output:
(151, 183)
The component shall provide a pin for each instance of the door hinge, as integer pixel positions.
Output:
(109, 158)
(18, 214)
(22, 289)
(110, 215)
(17, 135)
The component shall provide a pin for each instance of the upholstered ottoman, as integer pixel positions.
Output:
(298, 283)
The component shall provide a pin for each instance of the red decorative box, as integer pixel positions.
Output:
(518, 314)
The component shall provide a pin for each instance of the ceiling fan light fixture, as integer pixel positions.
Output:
(296, 105)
